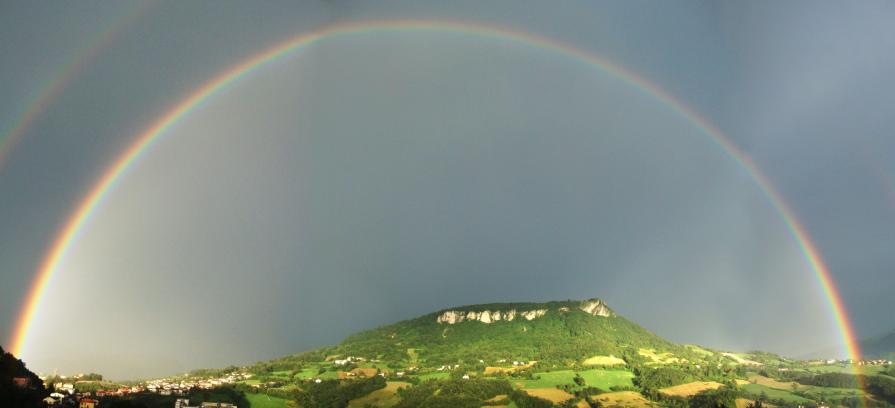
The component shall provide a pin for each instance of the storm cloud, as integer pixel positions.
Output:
(380, 176)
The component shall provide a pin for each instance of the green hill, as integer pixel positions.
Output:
(562, 332)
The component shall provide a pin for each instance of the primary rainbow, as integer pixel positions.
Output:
(61, 79)
(114, 173)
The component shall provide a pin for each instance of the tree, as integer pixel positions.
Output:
(724, 397)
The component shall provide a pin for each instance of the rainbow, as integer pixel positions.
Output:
(145, 140)
(60, 80)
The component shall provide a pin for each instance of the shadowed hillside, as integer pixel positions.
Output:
(19, 387)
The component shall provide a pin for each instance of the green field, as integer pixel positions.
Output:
(307, 373)
(438, 375)
(265, 401)
(773, 393)
(603, 379)
(848, 369)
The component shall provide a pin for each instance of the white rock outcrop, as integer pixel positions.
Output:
(596, 307)
(484, 316)
(534, 314)
(451, 317)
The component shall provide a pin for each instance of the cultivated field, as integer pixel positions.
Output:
(690, 389)
(604, 360)
(744, 403)
(770, 382)
(603, 379)
(385, 397)
(554, 395)
(265, 401)
(631, 399)
(499, 401)
(699, 350)
(847, 368)
(438, 375)
(774, 393)
(659, 358)
(498, 370)
(740, 359)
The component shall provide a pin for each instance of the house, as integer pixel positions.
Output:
(88, 403)
(358, 373)
(218, 405)
(21, 382)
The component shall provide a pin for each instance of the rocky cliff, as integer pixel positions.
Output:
(594, 307)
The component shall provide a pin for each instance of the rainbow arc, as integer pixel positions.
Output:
(115, 173)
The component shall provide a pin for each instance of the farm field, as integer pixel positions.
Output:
(604, 360)
(774, 393)
(770, 382)
(603, 379)
(744, 403)
(624, 399)
(438, 375)
(385, 397)
(265, 401)
(740, 359)
(690, 389)
(499, 401)
(848, 369)
(554, 395)
(699, 350)
(659, 358)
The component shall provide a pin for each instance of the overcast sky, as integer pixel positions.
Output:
(378, 177)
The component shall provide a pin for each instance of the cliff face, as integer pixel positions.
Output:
(594, 307)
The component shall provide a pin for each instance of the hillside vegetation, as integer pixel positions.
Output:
(563, 335)
(565, 353)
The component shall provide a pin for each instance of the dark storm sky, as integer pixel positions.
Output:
(381, 176)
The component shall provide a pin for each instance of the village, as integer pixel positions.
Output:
(71, 391)
(82, 391)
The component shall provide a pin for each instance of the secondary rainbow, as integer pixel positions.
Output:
(60, 80)
(113, 175)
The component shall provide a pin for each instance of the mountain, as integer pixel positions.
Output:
(19, 387)
(880, 347)
(872, 348)
(561, 332)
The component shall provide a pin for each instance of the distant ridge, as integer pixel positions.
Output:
(880, 347)
(872, 348)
